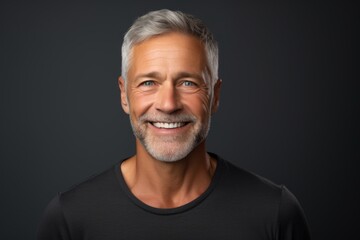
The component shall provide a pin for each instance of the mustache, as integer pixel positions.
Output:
(181, 117)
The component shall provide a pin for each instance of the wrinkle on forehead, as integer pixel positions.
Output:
(173, 52)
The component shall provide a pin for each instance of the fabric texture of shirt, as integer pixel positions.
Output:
(237, 205)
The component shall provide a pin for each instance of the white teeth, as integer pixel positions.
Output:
(168, 125)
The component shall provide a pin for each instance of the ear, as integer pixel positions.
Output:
(123, 95)
(216, 97)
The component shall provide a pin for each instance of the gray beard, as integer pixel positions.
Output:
(158, 147)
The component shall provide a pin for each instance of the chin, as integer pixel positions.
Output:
(170, 152)
(173, 148)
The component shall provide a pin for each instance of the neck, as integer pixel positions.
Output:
(168, 185)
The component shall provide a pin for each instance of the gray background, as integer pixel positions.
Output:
(288, 108)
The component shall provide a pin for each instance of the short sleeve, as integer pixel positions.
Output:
(53, 225)
(292, 222)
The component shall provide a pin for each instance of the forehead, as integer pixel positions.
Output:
(168, 52)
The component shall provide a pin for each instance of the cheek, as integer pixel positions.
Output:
(139, 103)
(199, 103)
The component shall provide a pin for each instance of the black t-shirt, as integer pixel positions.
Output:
(237, 205)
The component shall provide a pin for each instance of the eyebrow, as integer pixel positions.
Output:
(148, 75)
(177, 76)
(188, 75)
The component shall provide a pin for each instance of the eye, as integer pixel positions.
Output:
(188, 84)
(147, 83)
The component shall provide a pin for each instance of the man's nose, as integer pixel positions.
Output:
(168, 99)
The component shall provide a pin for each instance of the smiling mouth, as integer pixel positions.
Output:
(169, 125)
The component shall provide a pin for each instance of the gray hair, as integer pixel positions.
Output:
(164, 21)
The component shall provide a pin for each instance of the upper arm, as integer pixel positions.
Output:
(53, 225)
(291, 220)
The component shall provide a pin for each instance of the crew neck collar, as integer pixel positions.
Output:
(170, 211)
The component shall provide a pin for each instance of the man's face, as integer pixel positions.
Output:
(166, 95)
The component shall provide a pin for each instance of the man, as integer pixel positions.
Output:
(172, 188)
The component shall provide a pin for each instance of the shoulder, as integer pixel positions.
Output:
(255, 187)
(98, 188)
(291, 218)
(69, 209)
(265, 200)
(53, 224)
(87, 194)
(248, 182)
